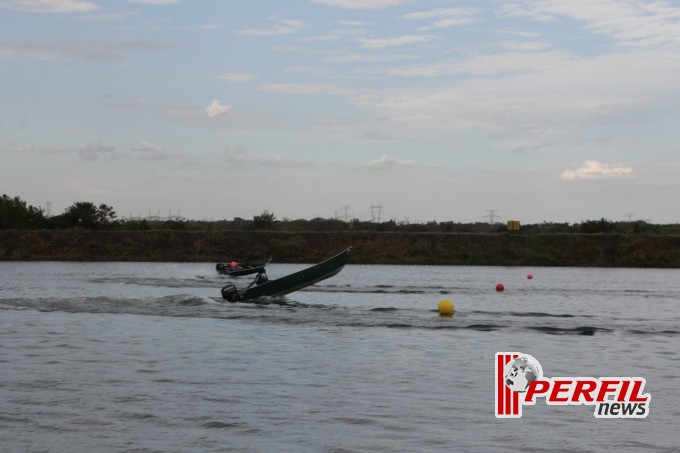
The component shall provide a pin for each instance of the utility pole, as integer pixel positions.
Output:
(48, 209)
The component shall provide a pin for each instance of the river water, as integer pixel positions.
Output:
(147, 357)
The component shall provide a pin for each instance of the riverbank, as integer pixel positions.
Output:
(597, 250)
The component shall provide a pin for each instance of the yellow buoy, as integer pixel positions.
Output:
(445, 307)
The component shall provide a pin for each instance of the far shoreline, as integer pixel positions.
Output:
(407, 248)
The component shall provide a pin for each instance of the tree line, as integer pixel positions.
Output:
(15, 213)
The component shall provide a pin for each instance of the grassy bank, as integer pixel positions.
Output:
(600, 250)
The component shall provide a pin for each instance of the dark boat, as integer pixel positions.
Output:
(245, 268)
(289, 283)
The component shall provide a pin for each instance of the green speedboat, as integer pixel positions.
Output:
(262, 287)
(236, 269)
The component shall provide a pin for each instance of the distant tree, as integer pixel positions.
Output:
(640, 227)
(264, 221)
(174, 225)
(87, 215)
(597, 226)
(15, 213)
(320, 224)
(389, 225)
(133, 225)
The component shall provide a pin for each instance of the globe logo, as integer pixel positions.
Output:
(521, 371)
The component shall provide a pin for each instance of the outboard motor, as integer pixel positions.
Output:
(230, 293)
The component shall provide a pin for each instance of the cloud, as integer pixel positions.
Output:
(631, 23)
(360, 4)
(216, 108)
(367, 58)
(96, 151)
(236, 77)
(105, 17)
(532, 100)
(593, 169)
(150, 151)
(381, 43)
(90, 50)
(243, 157)
(306, 88)
(444, 18)
(126, 103)
(90, 152)
(49, 6)
(389, 162)
(282, 27)
(525, 46)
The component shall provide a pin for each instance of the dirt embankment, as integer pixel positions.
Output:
(369, 247)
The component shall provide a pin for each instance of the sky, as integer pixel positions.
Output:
(405, 110)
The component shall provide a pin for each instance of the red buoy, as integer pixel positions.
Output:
(500, 287)
(530, 276)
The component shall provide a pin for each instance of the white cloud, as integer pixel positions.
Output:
(351, 23)
(149, 151)
(391, 162)
(282, 27)
(243, 157)
(533, 100)
(360, 4)
(593, 169)
(90, 152)
(444, 18)
(305, 88)
(216, 108)
(90, 51)
(96, 151)
(367, 58)
(630, 22)
(49, 6)
(236, 77)
(381, 43)
(126, 103)
(106, 17)
(525, 46)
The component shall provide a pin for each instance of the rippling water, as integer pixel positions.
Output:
(148, 357)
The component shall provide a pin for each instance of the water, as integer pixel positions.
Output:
(147, 357)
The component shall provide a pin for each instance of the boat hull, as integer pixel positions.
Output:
(289, 283)
(244, 268)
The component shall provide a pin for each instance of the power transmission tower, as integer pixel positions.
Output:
(346, 208)
(48, 209)
(374, 208)
(491, 216)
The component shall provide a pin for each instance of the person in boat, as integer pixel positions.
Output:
(234, 266)
(260, 279)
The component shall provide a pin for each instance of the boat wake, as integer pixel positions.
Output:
(286, 311)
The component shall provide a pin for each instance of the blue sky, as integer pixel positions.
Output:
(557, 111)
